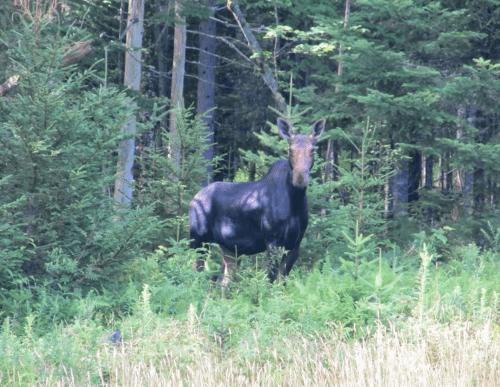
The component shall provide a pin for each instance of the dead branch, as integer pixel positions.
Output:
(75, 53)
(266, 72)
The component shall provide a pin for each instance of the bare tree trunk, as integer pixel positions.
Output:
(429, 167)
(161, 37)
(206, 85)
(346, 20)
(332, 152)
(177, 89)
(398, 188)
(132, 79)
(123, 17)
(254, 45)
(401, 182)
(415, 174)
(479, 189)
(468, 181)
(332, 160)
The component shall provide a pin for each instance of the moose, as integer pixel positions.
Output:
(265, 215)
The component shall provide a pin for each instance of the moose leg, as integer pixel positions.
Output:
(273, 254)
(199, 263)
(227, 268)
(287, 262)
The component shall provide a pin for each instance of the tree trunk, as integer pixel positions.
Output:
(346, 20)
(479, 189)
(332, 151)
(468, 175)
(132, 79)
(120, 32)
(400, 188)
(161, 37)
(429, 167)
(332, 160)
(177, 89)
(206, 85)
(415, 174)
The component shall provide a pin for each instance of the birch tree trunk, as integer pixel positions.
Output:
(206, 85)
(177, 90)
(132, 79)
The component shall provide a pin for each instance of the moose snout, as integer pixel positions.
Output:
(300, 178)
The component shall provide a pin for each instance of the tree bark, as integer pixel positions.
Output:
(254, 45)
(346, 20)
(177, 90)
(332, 152)
(468, 183)
(332, 160)
(429, 167)
(206, 85)
(120, 32)
(161, 37)
(132, 79)
(479, 189)
(415, 174)
(400, 188)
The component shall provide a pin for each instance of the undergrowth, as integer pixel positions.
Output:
(172, 316)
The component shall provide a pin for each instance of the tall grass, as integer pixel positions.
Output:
(422, 325)
(456, 355)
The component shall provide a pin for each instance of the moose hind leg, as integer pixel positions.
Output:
(287, 261)
(273, 255)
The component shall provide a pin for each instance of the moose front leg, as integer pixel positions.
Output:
(200, 262)
(228, 267)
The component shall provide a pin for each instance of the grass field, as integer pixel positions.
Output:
(179, 354)
(421, 328)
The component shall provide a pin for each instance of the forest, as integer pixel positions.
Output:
(115, 113)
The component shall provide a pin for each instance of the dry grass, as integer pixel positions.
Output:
(457, 355)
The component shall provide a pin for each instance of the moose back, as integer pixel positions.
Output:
(249, 218)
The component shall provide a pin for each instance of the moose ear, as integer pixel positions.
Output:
(285, 128)
(318, 128)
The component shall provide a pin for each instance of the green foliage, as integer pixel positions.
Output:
(175, 312)
(362, 186)
(360, 248)
(67, 256)
(61, 236)
(169, 186)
